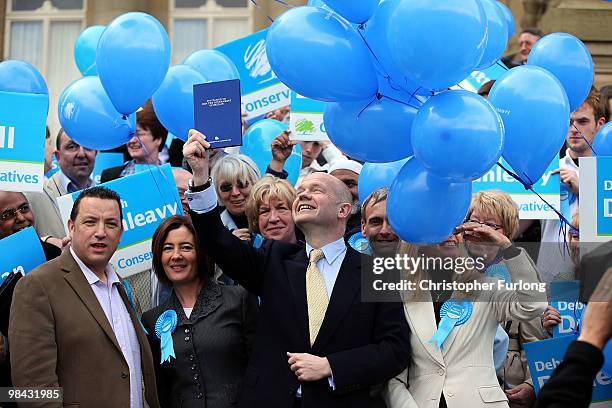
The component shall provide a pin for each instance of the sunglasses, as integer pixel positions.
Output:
(227, 187)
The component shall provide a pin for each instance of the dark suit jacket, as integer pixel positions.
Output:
(211, 347)
(571, 384)
(60, 337)
(110, 174)
(365, 343)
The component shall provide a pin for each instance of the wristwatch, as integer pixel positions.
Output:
(197, 189)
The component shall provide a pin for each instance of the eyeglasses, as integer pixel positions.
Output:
(11, 213)
(488, 224)
(227, 187)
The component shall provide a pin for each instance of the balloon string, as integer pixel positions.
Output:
(585, 139)
(529, 186)
(260, 9)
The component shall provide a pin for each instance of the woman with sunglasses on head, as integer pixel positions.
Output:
(202, 335)
(233, 177)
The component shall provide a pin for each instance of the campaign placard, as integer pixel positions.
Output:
(217, 112)
(262, 91)
(21, 252)
(479, 78)
(564, 297)
(545, 355)
(54, 167)
(531, 207)
(23, 119)
(306, 120)
(105, 160)
(595, 185)
(147, 198)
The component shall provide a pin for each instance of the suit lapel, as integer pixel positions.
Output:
(346, 288)
(296, 274)
(420, 314)
(77, 280)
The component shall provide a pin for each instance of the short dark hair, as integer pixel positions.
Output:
(593, 99)
(533, 31)
(147, 119)
(58, 138)
(95, 192)
(206, 265)
(606, 94)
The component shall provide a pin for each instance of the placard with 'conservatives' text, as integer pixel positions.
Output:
(262, 91)
(21, 252)
(147, 198)
(306, 120)
(531, 207)
(22, 141)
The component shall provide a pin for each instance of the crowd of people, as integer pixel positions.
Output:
(254, 295)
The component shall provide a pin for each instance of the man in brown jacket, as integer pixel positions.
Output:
(72, 325)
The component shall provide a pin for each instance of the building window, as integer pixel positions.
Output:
(198, 24)
(43, 33)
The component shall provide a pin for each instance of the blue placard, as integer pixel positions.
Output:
(604, 196)
(105, 160)
(530, 205)
(564, 297)
(545, 355)
(54, 167)
(21, 252)
(261, 89)
(479, 78)
(147, 198)
(22, 141)
(217, 112)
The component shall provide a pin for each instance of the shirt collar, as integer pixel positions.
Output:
(65, 180)
(568, 160)
(331, 251)
(91, 277)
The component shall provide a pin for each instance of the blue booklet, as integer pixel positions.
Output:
(217, 112)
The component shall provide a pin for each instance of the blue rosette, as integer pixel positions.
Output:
(360, 243)
(452, 313)
(164, 327)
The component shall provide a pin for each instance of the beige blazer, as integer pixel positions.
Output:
(60, 337)
(46, 211)
(464, 369)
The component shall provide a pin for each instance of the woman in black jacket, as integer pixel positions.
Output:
(210, 326)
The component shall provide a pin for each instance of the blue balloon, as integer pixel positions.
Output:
(213, 65)
(173, 101)
(497, 34)
(320, 56)
(133, 57)
(423, 208)
(567, 58)
(602, 145)
(535, 112)
(437, 43)
(509, 18)
(89, 118)
(85, 50)
(354, 11)
(457, 135)
(375, 131)
(19, 76)
(375, 35)
(256, 143)
(377, 175)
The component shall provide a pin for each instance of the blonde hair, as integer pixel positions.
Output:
(273, 188)
(497, 204)
(232, 168)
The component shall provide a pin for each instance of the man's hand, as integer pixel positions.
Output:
(597, 320)
(242, 233)
(281, 150)
(308, 367)
(521, 394)
(569, 178)
(550, 318)
(196, 153)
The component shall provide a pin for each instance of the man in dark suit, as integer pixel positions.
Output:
(316, 344)
(71, 323)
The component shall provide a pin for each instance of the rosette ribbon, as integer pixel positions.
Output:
(164, 327)
(453, 313)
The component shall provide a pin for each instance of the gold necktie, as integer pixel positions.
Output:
(316, 295)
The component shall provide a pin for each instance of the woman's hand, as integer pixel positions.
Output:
(473, 231)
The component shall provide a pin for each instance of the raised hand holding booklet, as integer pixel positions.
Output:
(217, 112)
